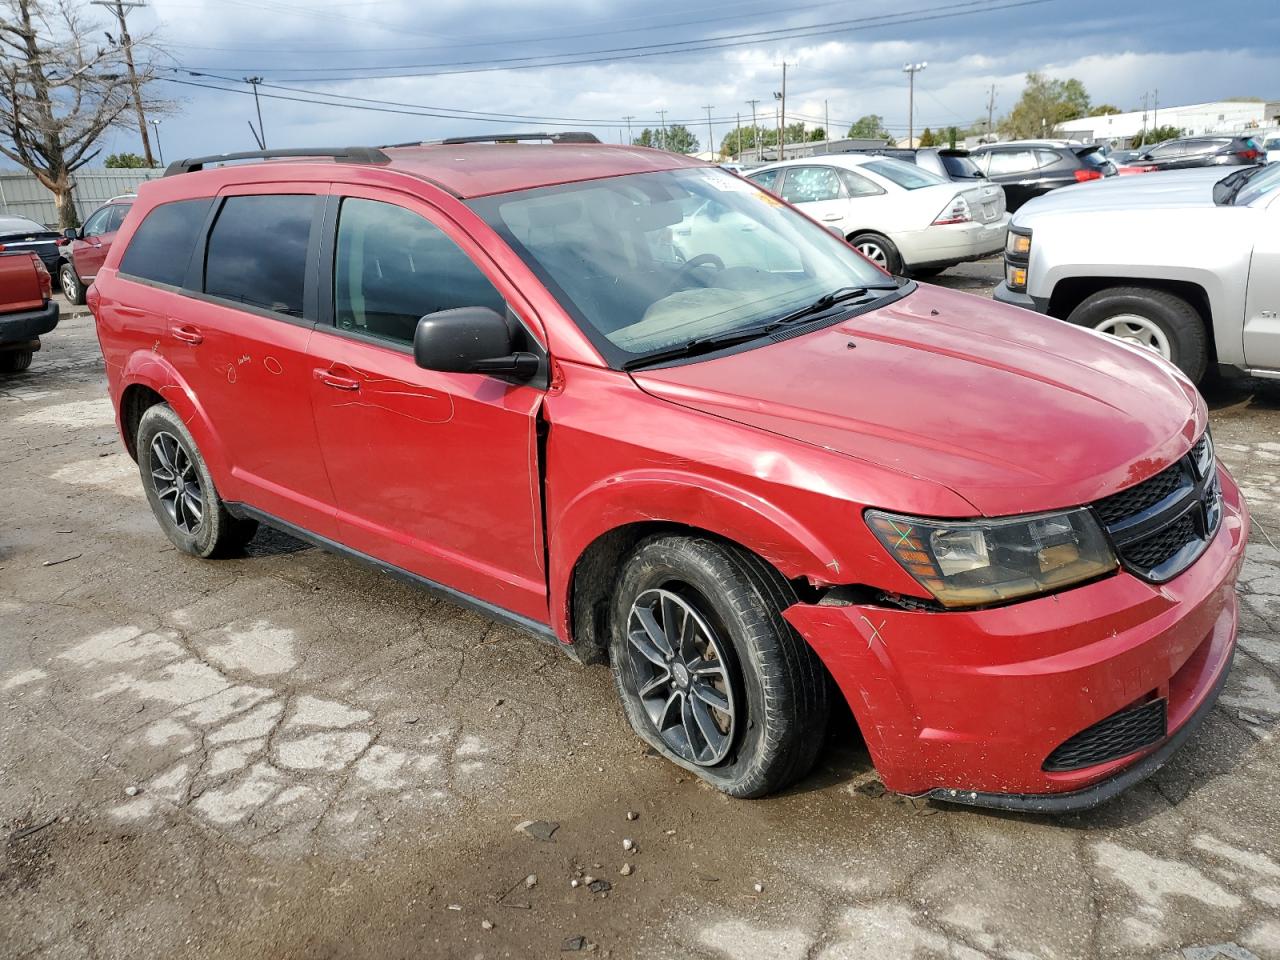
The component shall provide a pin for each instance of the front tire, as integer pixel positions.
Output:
(709, 672)
(1154, 319)
(72, 288)
(880, 250)
(181, 491)
(15, 361)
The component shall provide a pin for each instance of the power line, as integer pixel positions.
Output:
(728, 41)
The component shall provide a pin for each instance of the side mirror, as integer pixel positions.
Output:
(471, 340)
(71, 233)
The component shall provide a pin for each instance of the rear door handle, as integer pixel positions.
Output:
(187, 334)
(331, 379)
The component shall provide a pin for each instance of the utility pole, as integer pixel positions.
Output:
(737, 126)
(826, 123)
(156, 123)
(120, 9)
(1155, 116)
(662, 135)
(991, 109)
(911, 69)
(1145, 97)
(711, 139)
(782, 113)
(755, 131)
(629, 118)
(260, 134)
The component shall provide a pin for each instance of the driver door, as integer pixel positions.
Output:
(432, 472)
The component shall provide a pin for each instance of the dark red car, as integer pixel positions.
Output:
(27, 307)
(639, 407)
(85, 248)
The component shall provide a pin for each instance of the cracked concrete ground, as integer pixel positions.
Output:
(287, 755)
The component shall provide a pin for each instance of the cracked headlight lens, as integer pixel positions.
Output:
(974, 563)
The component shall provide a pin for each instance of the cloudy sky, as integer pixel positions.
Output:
(455, 57)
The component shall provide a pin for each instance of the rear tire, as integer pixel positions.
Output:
(181, 491)
(1155, 319)
(72, 288)
(736, 668)
(879, 249)
(15, 361)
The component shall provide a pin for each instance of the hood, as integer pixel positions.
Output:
(1169, 190)
(1012, 411)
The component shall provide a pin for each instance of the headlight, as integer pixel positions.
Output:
(1017, 244)
(972, 563)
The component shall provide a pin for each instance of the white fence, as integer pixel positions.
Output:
(22, 195)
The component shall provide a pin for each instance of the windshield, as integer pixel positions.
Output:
(652, 261)
(906, 175)
(1265, 181)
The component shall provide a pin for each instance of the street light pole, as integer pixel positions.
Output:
(156, 123)
(755, 131)
(662, 136)
(711, 137)
(911, 69)
(260, 133)
(120, 8)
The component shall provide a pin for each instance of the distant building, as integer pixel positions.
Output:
(811, 148)
(1222, 116)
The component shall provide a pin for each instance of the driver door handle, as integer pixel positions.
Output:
(331, 379)
(832, 217)
(187, 334)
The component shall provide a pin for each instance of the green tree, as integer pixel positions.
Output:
(680, 139)
(1160, 134)
(817, 133)
(1104, 110)
(870, 127)
(128, 161)
(927, 139)
(1044, 104)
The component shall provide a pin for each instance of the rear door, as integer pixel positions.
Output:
(435, 473)
(1016, 171)
(1262, 298)
(240, 339)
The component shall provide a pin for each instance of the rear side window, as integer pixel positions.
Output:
(859, 186)
(257, 252)
(161, 246)
(1011, 161)
(1047, 158)
(392, 266)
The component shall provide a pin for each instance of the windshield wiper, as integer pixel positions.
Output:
(1228, 188)
(826, 302)
(701, 345)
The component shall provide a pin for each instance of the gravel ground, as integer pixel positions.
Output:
(286, 755)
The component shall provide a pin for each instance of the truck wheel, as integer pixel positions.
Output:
(880, 250)
(1154, 319)
(181, 491)
(15, 361)
(709, 672)
(72, 288)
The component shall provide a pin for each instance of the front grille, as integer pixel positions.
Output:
(1145, 495)
(1117, 736)
(1160, 526)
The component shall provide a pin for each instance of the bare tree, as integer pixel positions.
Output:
(60, 92)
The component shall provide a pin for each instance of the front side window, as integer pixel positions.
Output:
(906, 175)
(118, 212)
(391, 267)
(257, 252)
(766, 178)
(651, 262)
(161, 247)
(96, 225)
(810, 184)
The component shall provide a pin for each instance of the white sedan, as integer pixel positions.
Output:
(905, 219)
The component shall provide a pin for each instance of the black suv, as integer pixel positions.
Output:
(1188, 152)
(1030, 168)
(950, 163)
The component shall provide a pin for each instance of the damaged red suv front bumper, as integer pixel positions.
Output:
(1001, 707)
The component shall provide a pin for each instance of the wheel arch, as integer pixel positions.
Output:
(1069, 292)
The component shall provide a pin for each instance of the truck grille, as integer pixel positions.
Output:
(1117, 736)
(1160, 526)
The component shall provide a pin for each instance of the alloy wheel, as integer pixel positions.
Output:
(69, 284)
(176, 482)
(1138, 330)
(873, 252)
(683, 679)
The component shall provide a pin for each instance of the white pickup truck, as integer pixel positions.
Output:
(1186, 263)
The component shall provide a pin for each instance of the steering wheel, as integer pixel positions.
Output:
(687, 268)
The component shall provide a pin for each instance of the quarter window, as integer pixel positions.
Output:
(257, 253)
(392, 266)
(858, 185)
(161, 247)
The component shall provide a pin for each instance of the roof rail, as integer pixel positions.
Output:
(568, 136)
(339, 154)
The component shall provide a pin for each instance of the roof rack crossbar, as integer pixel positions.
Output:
(568, 136)
(339, 154)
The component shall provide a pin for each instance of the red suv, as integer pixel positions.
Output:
(85, 248)
(636, 406)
